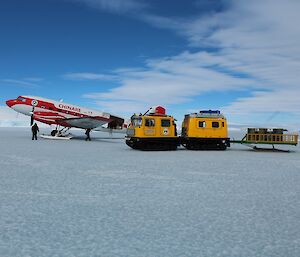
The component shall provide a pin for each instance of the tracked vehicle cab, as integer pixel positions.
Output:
(205, 130)
(152, 131)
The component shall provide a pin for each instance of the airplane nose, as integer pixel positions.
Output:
(10, 103)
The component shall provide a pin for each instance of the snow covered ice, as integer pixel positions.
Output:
(101, 198)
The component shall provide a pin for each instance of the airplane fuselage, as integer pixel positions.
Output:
(55, 112)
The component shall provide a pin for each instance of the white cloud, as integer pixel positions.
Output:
(123, 108)
(115, 6)
(33, 79)
(169, 81)
(10, 118)
(17, 82)
(88, 76)
(277, 101)
(258, 49)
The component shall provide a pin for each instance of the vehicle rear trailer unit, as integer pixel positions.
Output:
(264, 136)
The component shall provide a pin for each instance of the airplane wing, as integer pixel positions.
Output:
(92, 122)
(89, 122)
(83, 122)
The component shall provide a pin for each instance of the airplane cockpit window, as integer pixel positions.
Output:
(21, 99)
(136, 122)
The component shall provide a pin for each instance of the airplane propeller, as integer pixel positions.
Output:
(32, 117)
(34, 103)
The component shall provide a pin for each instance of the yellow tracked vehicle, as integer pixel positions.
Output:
(200, 131)
(205, 130)
(152, 131)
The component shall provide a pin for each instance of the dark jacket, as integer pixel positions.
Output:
(87, 132)
(35, 129)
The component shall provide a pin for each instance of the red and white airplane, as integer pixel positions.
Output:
(66, 115)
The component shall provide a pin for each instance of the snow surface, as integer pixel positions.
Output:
(101, 198)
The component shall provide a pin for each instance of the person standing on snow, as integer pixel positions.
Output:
(35, 130)
(87, 132)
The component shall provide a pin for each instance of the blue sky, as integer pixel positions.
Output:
(124, 56)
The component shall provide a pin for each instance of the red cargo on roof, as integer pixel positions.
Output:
(157, 110)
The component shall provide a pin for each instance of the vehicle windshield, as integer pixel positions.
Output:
(136, 121)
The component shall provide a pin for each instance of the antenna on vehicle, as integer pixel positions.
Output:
(147, 111)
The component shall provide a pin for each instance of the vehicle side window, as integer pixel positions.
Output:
(202, 124)
(165, 123)
(215, 124)
(223, 124)
(149, 122)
